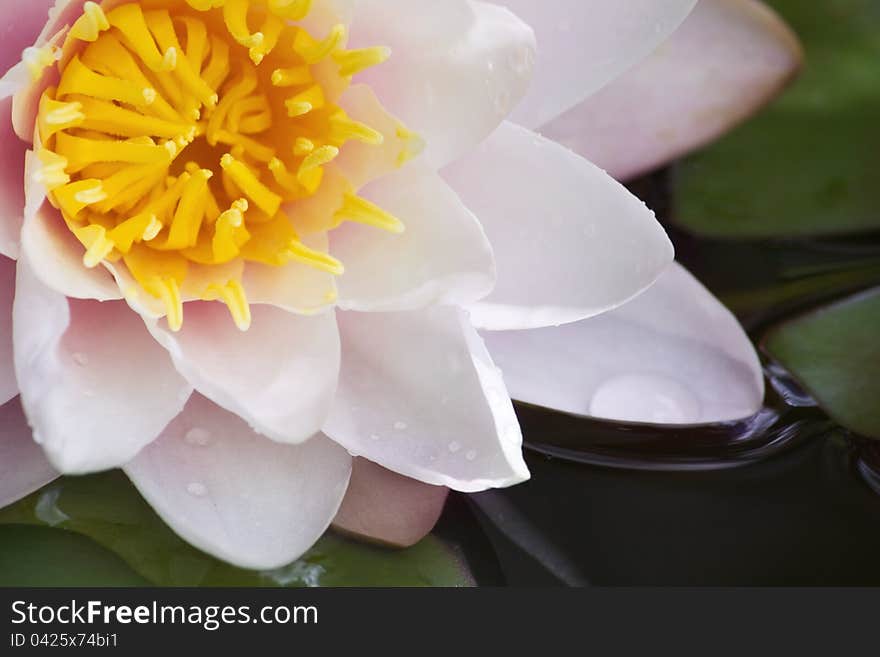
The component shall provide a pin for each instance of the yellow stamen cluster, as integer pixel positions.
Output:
(179, 137)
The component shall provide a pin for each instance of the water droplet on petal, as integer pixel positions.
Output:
(375, 436)
(454, 446)
(646, 398)
(471, 455)
(400, 426)
(196, 489)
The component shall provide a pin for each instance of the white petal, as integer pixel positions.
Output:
(94, 384)
(11, 184)
(457, 67)
(419, 395)
(673, 355)
(443, 256)
(8, 384)
(728, 59)
(295, 287)
(389, 508)
(570, 242)
(279, 376)
(584, 44)
(23, 465)
(236, 495)
(362, 163)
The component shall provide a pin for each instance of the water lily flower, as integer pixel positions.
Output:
(256, 238)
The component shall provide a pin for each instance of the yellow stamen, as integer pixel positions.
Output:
(343, 129)
(264, 198)
(90, 25)
(248, 98)
(293, 10)
(98, 246)
(77, 79)
(190, 212)
(55, 116)
(80, 152)
(306, 101)
(361, 211)
(37, 60)
(52, 172)
(310, 173)
(75, 196)
(291, 77)
(303, 146)
(142, 228)
(313, 51)
(235, 15)
(233, 295)
(130, 21)
(352, 62)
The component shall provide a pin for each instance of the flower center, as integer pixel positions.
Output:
(178, 142)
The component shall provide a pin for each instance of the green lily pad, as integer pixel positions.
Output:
(808, 165)
(835, 354)
(107, 509)
(45, 557)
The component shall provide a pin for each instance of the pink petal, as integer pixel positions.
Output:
(23, 465)
(22, 23)
(729, 59)
(673, 355)
(27, 95)
(94, 384)
(236, 495)
(570, 242)
(280, 375)
(386, 507)
(584, 44)
(8, 384)
(11, 183)
(419, 395)
(457, 68)
(21, 26)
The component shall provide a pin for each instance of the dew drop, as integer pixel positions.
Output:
(400, 426)
(80, 358)
(646, 398)
(196, 489)
(198, 437)
(471, 455)
(375, 436)
(454, 446)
